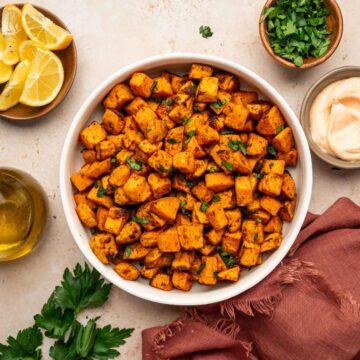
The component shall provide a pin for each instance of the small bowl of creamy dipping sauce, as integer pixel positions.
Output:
(330, 116)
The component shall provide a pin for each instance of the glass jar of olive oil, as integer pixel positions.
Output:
(22, 213)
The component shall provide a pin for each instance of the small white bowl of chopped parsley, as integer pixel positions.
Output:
(301, 33)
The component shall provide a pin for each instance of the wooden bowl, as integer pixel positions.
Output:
(68, 58)
(334, 23)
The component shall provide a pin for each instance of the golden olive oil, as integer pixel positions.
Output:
(22, 213)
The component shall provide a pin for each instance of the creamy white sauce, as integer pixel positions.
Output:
(335, 119)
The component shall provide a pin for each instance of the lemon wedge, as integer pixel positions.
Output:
(44, 81)
(28, 50)
(13, 34)
(11, 94)
(2, 45)
(5, 72)
(41, 29)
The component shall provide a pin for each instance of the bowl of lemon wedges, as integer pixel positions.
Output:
(37, 61)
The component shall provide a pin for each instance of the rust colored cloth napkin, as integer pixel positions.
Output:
(308, 308)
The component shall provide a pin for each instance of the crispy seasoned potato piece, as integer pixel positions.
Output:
(228, 82)
(129, 233)
(284, 141)
(162, 162)
(156, 259)
(234, 219)
(287, 211)
(149, 273)
(274, 225)
(117, 217)
(256, 145)
(206, 135)
(149, 238)
(193, 147)
(98, 168)
(231, 242)
(168, 241)
(271, 242)
(105, 149)
(244, 97)
(223, 99)
(270, 204)
(141, 84)
(208, 89)
(198, 215)
(81, 197)
(271, 122)
(221, 266)
(86, 215)
(290, 157)
(253, 231)
(232, 274)
(89, 156)
(135, 105)
(288, 188)
(152, 221)
(81, 181)
(127, 271)
(101, 215)
(198, 71)
(113, 122)
(151, 126)
(177, 82)
(184, 161)
(119, 175)
(260, 216)
(92, 135)
(271, 184)
(255, 111)
(191, 236)
(136, 251)
(214, 236)
(174, 140)
(219, 181)
(236, 116)
(273, 167)
(202, 192)
(207, 276)
(119, 95)
(183, 260)
(162, 281)
(159, 185)
(217, 216)
(200, 168)
(163, 87)
(121, 198)
(137, 188)
(166, 207)
(226, 199)
(207, 249)
(249, 253)
(104, 247)
(182, 280)
(243, 189)
(98, 198)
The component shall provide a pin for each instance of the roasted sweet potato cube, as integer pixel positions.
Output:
(147, 147)
(174, 140)
(255, 111)
(119, 175)
(149, 273)
(86, 215)
(208, 89)
(177, 82)
(137, 188)
(81, 181)
(101, 215)
(290, 157)
(202, 192)
(89, 156)
(182, 280)
(152, 221)
(198, 215)
(273, 166)
(132, 138)
(149, 238)
(206, 135)
(260, 216)
(168, 241)
(219, 181)
(193, 147)
(131, 232)
(117, 217)
(181, 112)
(284, 141)
(249, 253)
(135, 251)
(217, 216)
(232, 274)
(162, 162)
(227, 82)
(182, 219)
(198, 71)
(223, 99)
(135, 105)
(287, 211)
(189, 88)
(121, 198)
(151, 126)
(221, 266)
(235, 116)
(271, 184)
(98, 168)
(270, 204)
(141, 84)
(105, 149)
(166, 207)
(98, 198)
(104, 247)
(271, 242)
(117, 140)
(200, 168)
(288, 188)
(270, 123)
(244, 97)
(92, 135)
(191, 236)
(207, 249)
(119, 95)
(254, 206)
(256, 145)
(183, 260)
(243, 189)
(81, 198)
(162, 88)
(231, 242)
(207, 274)
(274, 225)
(234, 219)
(123, 155)
(214, 236)
(180, 183)
(113, 122)
(252, 231)
(227, 199)
(127, 271)
(156, 259)
(184, 161)
(162, 282)
(159, 185)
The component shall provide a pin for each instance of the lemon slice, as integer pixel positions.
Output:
(2, 45)
(28, 50)
(13, 34)
(5, 72)
(41, 29)
(11, 94)
(44, 80)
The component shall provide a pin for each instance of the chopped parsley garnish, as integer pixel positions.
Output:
(216, 199)
(212, 169)
(148, 130)
(260, 175)
(245, 211)
(297, 29)
(183, 203)
(271, 150)
(280, 128)
(200, 268)
(190, 133)
(94, 230)
(196, 109)
(236, 145)
(227, 132)
(169, 102)
(227, 165)
(172, 141)
(164, 169)
(185, 120)
(153, 86)
(205, 31)
(203, 206)
(113, 160)
(256, 236)
(139, 220)
(134, 164)
(227, 258)
(219, 103)
(258, 220)
(101, 192)
(127, 251)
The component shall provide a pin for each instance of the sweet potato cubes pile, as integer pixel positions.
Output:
(185, 179)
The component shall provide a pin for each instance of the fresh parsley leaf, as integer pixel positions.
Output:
(190, 133)
(113, 160)
(164, 169)
(25, 345)
(127, 251)
(172, 141)
(227, 165)
(200, 268)
(139, 220)
(228, 259)
(81, 290)
(54, 319)
(227, 132)
(203, 206)
(256, 236)
(216, 199)
(271, 150)
(101, 192)
(258, 220)
(259, 175)
(219, 103)
(153, 86)
(183, 203)
(196, 109)
(212, 169)
(245, 211)
(63, 351)
(94, 230)
(205, 31)
(134, 164)
(185, 120)
(280, 128)
(236, 145)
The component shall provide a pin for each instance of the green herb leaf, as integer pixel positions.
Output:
(227, 132)
(227, 165)
(134, 164)
(260, 175)
(219, 103)
(94, 230)
(185, 120)
(228, 259)
(164, 169)
(271, 150)
(113, 160)
(190, 133)
(258, 220)
(127, 251)
(280, 128)
(216, 199)
(245, 211)
(183, 203)
(196, 109)
(139, 220)
(212, 169)
(153, 86)
(203, 206)
(200, 268)
(256, 236)
(172, 141)
(101, 192)
(205, 31)
(236, 145)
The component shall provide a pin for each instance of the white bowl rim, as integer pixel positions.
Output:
(268, 266)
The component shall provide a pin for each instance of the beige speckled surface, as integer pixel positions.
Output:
(108, 35)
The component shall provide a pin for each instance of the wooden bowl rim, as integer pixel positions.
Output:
(43, 110)
(317, 61)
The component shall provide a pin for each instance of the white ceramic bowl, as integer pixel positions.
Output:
(71, 161)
